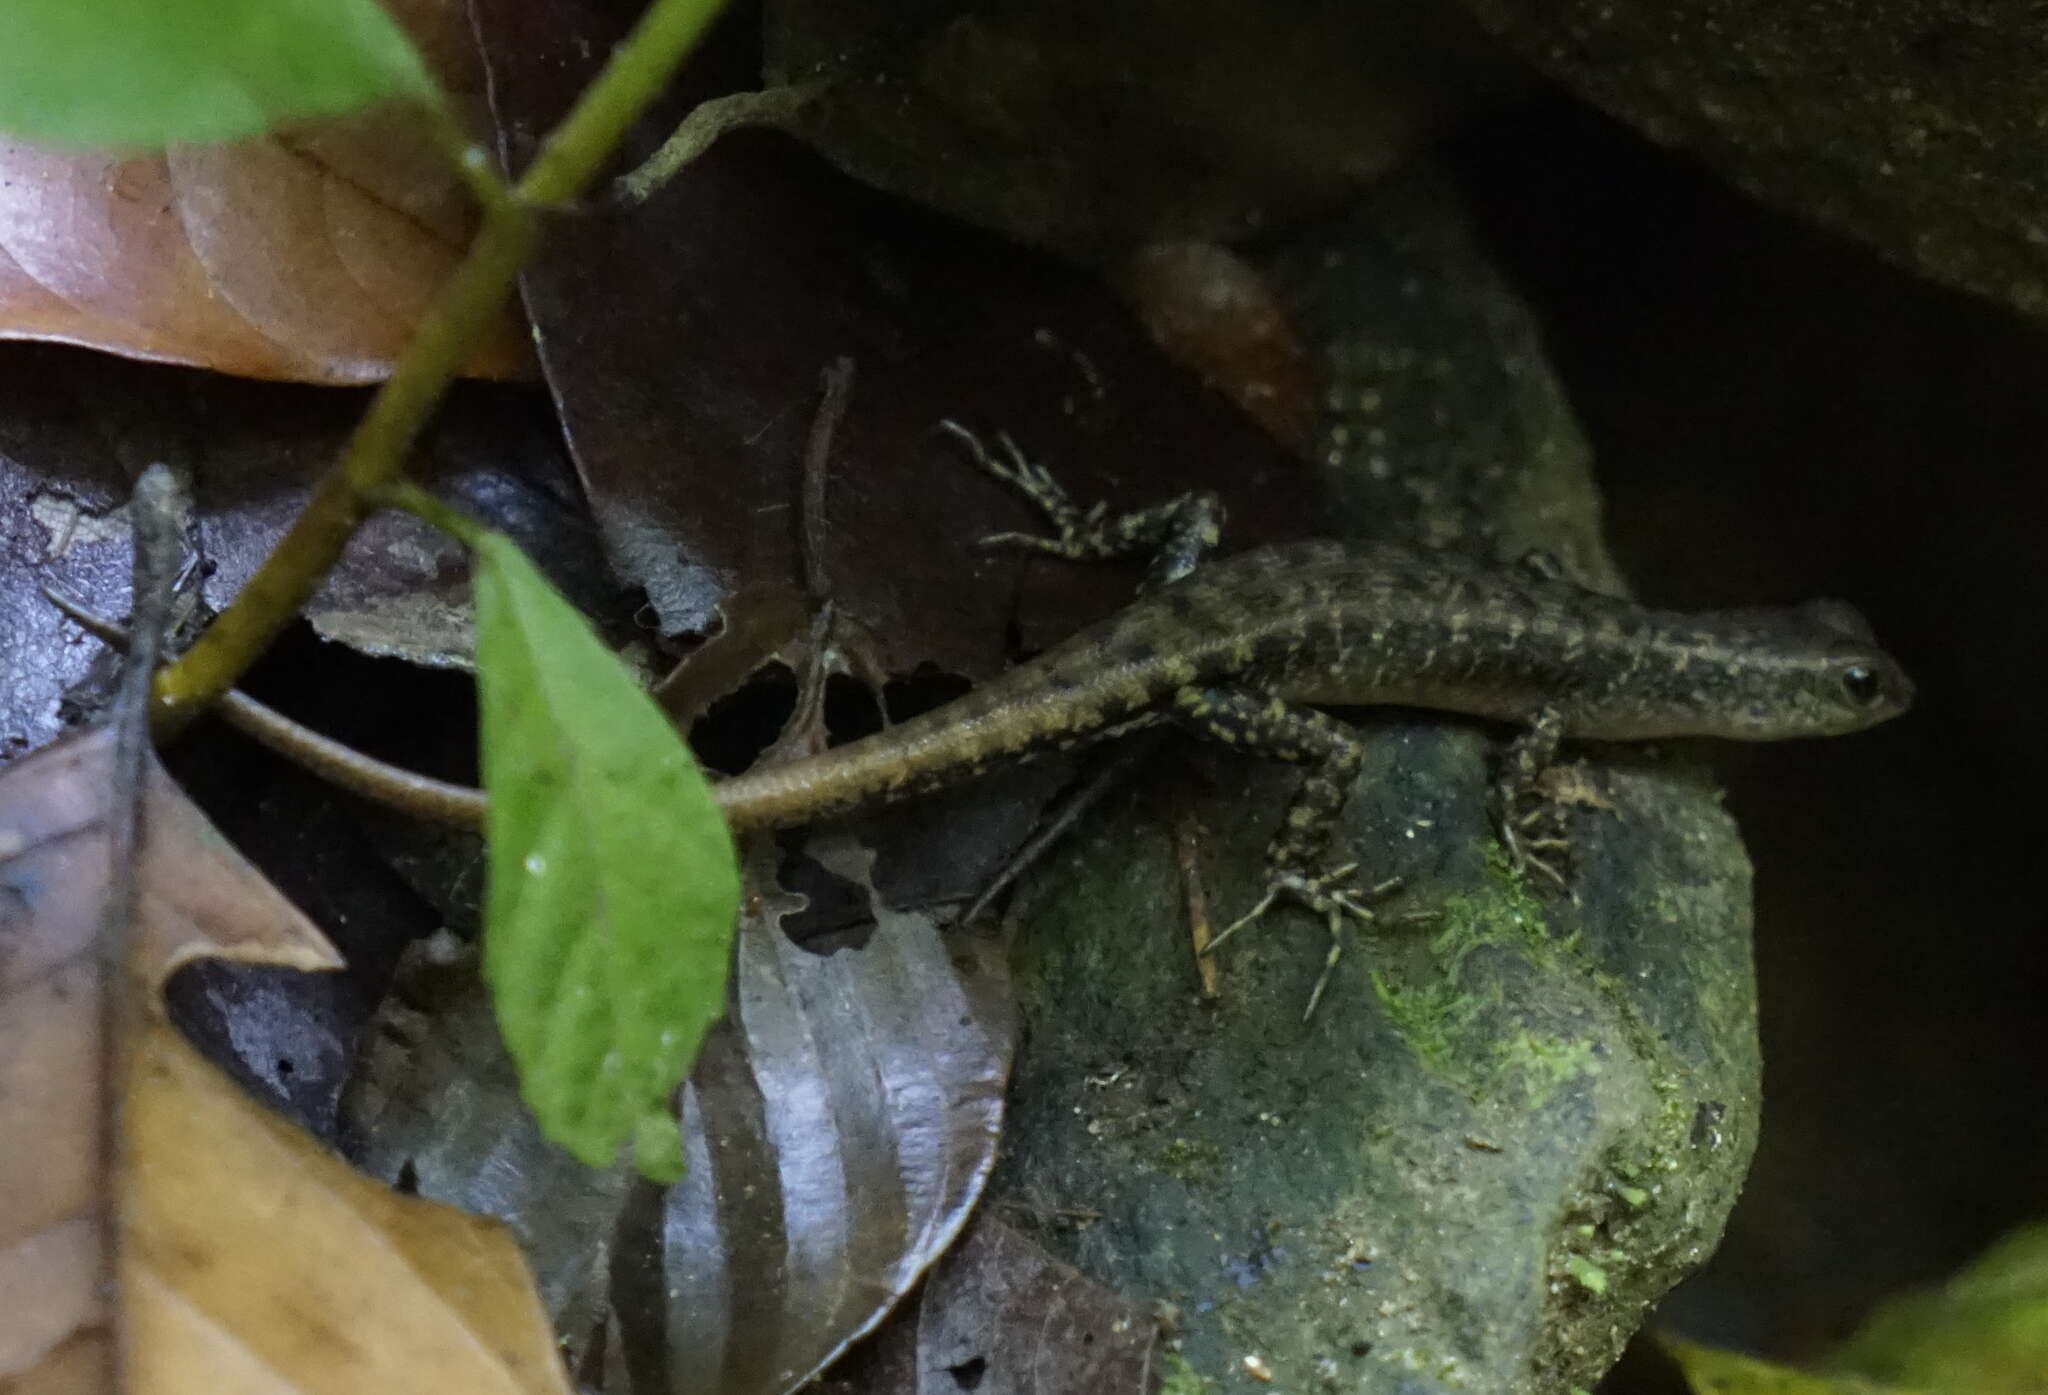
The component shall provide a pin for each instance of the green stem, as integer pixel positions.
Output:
(417, 502)
(374, 459)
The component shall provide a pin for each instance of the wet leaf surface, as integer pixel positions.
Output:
(1985, 1328)
(76, 428)
(838, 1126)
(1000, 1316)
(684, 340)
(164, 74)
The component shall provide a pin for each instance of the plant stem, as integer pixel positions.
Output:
(374, 459)
(417, 502)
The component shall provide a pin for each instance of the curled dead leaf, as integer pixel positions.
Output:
(250, 1258)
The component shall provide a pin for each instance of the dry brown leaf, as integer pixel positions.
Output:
(307, 254)
(252, 1260)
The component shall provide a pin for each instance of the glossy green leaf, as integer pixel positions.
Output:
(158, 72)
(612, 884)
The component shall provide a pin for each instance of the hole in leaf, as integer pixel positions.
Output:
(967, 1374)
(851, 711)
(837, 915)
(422, 719)
(742, 724)
(926, 687)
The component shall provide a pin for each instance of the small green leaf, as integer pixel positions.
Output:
(612, 886)
(1713, 1372)
(159, 72)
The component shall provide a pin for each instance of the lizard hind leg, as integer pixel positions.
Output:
(1174, 536)
(1266, 726)
(1532, 824)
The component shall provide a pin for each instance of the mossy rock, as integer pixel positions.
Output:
(1518, 1116)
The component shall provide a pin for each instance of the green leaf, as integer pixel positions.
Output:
(159, 72)
(612, 885)
(1712, 1372)
(1984, 1330)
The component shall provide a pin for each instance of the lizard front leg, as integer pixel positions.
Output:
(1174, 536)
(1266, 726)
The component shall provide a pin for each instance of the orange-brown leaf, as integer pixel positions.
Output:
(306, 255)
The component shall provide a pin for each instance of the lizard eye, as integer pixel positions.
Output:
(1862, 684)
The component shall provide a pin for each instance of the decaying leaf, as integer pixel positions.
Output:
(839, 1125)
(683, 341)
(74, 428)
(1000, 1316)
(306, 254)
(251, 1260)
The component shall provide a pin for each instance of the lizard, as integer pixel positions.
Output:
(1248, 649)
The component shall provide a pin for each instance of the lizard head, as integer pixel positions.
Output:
(1815, 670)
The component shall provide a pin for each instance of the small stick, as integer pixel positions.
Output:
(1065, 814)
(838, 384)
(158, 515)
(1187, 842)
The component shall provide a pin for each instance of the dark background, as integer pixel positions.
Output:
(1778, 415)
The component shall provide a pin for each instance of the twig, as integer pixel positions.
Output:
(158, 514)
(1187, 843)
(774, 107)
(838, 384)
(1078, 800)
(458, 806)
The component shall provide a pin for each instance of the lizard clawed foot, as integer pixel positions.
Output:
(1330, 895)
(1175, 534)
(1071, 524)
(1534, 836)
(1531, 819)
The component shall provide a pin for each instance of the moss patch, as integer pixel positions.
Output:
(1451, 1012)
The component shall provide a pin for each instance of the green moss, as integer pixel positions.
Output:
(1446, 1019)
(1513, 886)
(1181, 1378)
(1545, 1064)
(1189, 1160)
(1586, 1274)
(1434, 1017)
